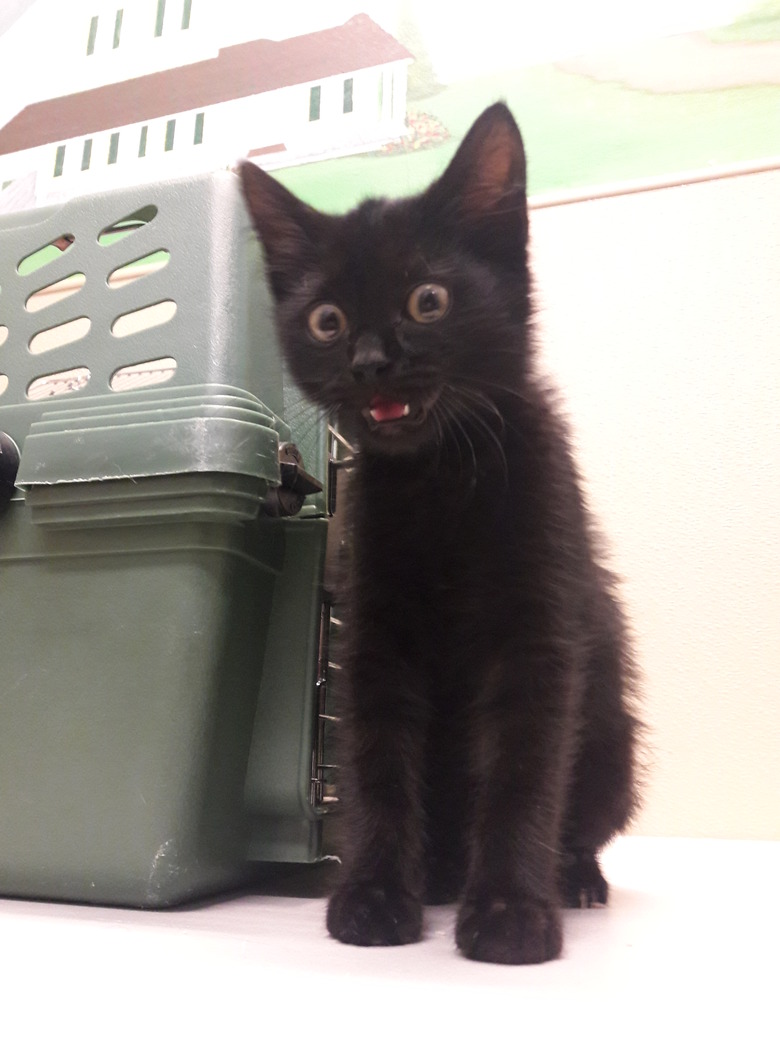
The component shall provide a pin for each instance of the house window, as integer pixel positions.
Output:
(185, 14)
(86, 155)
(314, 104)
(142, 142)
(158, 25)
(199, 128)
(348, 84)
(59, 160)
(118, 27)
(170, 132)
(92, 35)
(113, 149)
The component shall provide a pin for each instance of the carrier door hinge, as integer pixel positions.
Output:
(324, 773)
(323, 796)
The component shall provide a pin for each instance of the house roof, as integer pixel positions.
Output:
(239, 71)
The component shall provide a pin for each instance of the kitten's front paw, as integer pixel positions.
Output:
(520, 931)
(365, 914)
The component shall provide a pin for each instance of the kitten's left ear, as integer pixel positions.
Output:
(487, 175)
(287, 227)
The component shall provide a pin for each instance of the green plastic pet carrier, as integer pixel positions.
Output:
(162, 553)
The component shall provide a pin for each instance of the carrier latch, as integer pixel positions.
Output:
(287, 499)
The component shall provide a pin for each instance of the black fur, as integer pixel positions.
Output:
(489, 740)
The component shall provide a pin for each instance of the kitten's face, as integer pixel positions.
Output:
(402, 318)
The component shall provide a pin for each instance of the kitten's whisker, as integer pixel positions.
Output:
(482, 400)
(476, 403)
(461, 433)
(451, 415)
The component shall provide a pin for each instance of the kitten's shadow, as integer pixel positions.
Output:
(296, 880)
(629, 899)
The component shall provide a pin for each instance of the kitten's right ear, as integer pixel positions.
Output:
(287, 227)
(483, 190)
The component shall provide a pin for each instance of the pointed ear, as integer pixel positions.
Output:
(485, 183)
(287, 227)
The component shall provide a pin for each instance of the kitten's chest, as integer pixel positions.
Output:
(439, 546)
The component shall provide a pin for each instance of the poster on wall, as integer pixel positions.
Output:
(357, 97)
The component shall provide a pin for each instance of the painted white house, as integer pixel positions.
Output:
(56, 49)
(330, 92)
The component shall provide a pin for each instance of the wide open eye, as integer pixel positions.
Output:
(427, 303)
(327, 322)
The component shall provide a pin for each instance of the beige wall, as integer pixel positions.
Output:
(660, 317)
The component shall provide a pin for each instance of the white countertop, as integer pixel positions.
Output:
(688, 946)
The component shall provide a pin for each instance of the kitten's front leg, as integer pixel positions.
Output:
(378, 901)
(510, 908)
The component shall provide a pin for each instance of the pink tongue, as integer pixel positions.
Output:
(383, 409)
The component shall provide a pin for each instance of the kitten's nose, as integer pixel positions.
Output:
(369, 359)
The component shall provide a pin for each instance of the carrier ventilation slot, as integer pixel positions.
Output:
(3, 383)
(51, 294)
(45, 254)
(147, 373)
(144, 318)
(140, 268)
(58, 383)
(60, 335)
(127, 225)
(3, 334)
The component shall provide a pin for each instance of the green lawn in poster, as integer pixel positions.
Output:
(757, 25)
(578, 133)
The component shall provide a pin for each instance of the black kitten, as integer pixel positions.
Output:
(489, 745)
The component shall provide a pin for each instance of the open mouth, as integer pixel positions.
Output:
(388, 414)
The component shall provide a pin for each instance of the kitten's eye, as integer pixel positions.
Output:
(327, 322)
(428, 303)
